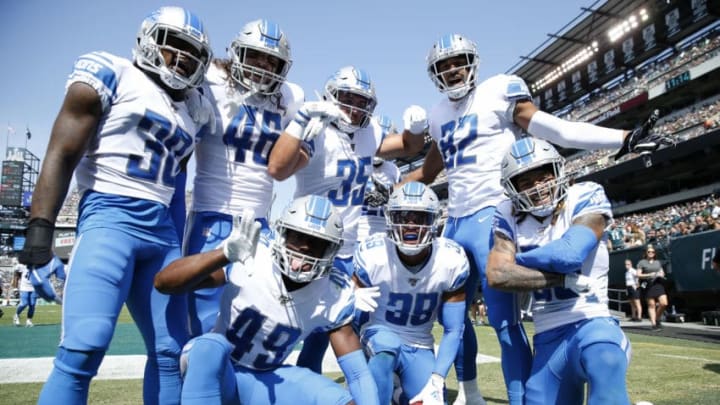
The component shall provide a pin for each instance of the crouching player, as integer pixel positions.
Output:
(274, 297)
(419, 276)
(558, 230)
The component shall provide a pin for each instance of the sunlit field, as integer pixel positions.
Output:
(663, 370)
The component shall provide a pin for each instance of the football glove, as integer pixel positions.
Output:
(432, 393)
(37, 250)
(378, 195)
(312, 117)
(366, 298)
(415, 120)
(243, 240)
(641, 140)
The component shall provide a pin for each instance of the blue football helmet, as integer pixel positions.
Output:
(265, 37)
(412, 214)
(317, 219)
(167, 29)
(451, 46)
(528, 154)
(349, 81)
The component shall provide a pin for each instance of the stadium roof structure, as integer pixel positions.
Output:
(593, 24)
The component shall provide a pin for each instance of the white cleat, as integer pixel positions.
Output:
(16, 320)
(29, 324)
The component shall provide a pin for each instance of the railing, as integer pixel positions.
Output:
(619, 300)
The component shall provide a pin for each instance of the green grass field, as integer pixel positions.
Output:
(662, 371)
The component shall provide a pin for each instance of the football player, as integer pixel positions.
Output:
(125, 128)
(254, 104)
(277, 292)
(329, 147)
(420, 279)
(28, 296)
(385, 175)
(471, 130)
(549, 240)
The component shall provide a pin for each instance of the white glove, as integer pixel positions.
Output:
(432, 393)
(415, 120)
(243, 240)
(366, 298)
(313, 128)
(325, 110)
(579, 283)
(312, 118)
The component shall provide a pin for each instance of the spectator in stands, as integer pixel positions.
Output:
(634, 236)
(633, 291)
(700, 225)
(650, 269)
(616, 237)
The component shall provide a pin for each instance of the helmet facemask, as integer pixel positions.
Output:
(451, 55)
(358, 107)
(260, 57)
(302, 257)
(533, 176)
(187, 46)
(352, 90)
(538, 191)
(411, 231)
(411, 214)
(308, 236)
(457, 79)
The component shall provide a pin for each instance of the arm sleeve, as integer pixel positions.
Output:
(564, 255)
(359, 379)
(453, 321)
(570, 134)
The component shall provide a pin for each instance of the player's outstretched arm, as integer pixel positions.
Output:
(192, 272)
(503, 272)
(568, 134)
(74, 126)
(346, 345)
(206, 269)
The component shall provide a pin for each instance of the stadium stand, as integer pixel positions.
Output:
(612, 65)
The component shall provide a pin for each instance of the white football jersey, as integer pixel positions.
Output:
(143, 134)
(232, 160)
(372, 219)
(473, 135)
(339, 169)
(553, 307)
(24, 283)
(264, 321)
(409, 301)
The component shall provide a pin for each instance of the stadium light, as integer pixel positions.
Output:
(566, 66)
(629, 24)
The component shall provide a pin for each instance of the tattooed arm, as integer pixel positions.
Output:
(503, 273)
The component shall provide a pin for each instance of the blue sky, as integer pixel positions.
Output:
(389, 39)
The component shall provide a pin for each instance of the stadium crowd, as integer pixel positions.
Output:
(647, 77)
(657, 227)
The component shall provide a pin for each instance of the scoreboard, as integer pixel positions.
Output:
(11, 186)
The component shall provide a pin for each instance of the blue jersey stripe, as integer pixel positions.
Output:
(98, 68)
